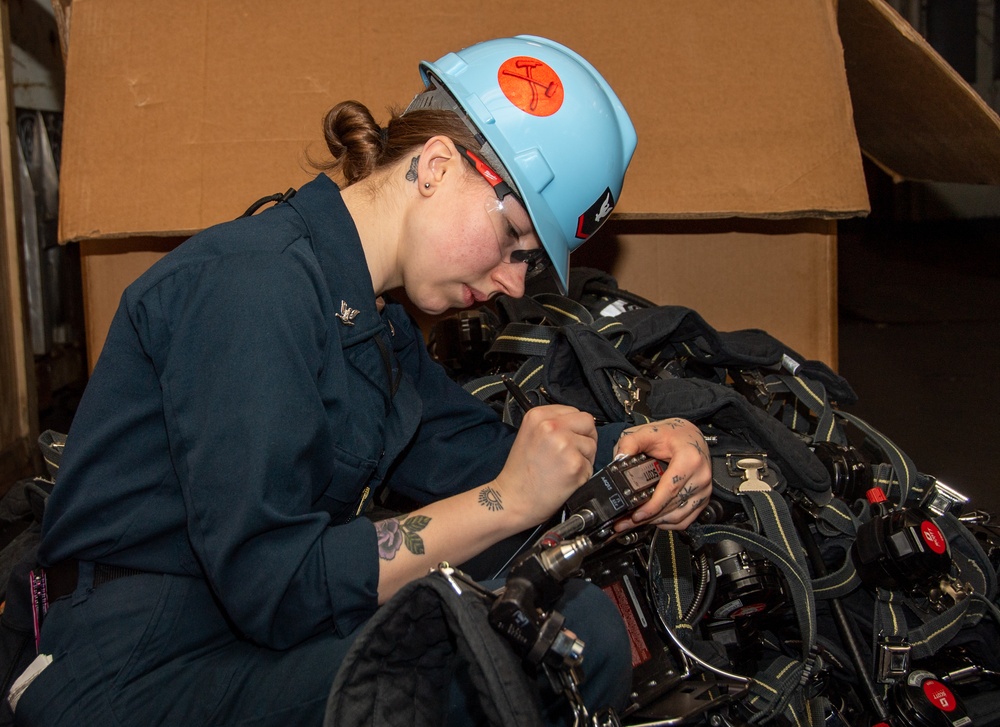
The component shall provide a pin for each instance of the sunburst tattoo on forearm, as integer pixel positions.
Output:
(490, 499)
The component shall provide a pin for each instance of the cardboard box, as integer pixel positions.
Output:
(915, 116)
(779, 275)
(180, 114)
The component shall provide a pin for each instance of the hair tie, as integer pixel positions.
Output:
(384, 135)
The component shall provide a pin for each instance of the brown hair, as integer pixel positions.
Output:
(359, 146)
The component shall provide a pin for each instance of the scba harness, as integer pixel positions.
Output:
(826, 571)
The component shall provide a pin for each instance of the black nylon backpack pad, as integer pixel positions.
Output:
(399, 670)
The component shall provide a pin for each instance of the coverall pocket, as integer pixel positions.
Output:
(166, 640)
(346, 491)
(51, 699)
(148, 616)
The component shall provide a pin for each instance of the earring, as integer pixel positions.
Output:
(427, 185)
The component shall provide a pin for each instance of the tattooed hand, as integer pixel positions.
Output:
(686, 484)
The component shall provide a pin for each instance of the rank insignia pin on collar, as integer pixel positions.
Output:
(347, 314)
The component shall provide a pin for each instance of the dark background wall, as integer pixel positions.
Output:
(920, 335)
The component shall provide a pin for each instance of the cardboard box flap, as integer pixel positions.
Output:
(915, 116)
(746, 112)
(180, 114)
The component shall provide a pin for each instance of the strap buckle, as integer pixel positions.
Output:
(636, 393)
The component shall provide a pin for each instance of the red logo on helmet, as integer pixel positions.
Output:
(531, 85)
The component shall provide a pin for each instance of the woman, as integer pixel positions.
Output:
(206, 548)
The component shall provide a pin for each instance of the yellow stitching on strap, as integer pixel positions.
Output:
(522, 339)
(564, 312)
(531, 375)
(836, 585)
(673, 565)
(811, 392)
(774, 511)
(942, 629)
(495, 384)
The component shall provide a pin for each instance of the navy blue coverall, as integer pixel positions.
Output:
(248, 402)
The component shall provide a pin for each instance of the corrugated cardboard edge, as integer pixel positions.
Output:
(63, 9)
(915, 116)
(97, 236)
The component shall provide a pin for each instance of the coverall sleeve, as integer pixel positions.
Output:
(462, 442)
(239, 344)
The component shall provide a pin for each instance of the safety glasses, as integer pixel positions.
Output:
(509, 239)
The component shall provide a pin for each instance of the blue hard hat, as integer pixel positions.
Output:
(552, 127)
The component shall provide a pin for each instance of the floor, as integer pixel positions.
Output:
(920, 343)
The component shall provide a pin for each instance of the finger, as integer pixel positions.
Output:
(549, 411)
(580, 448)
(587, 446)
(693, 494)
(673, 518)
(558, 415)
(682, 524)
(583, 423)
(672, 488)
(625, 523)
(658, 439)
(681, 515)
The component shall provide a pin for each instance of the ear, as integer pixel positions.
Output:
(439, 162)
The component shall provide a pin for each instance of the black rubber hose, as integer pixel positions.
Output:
(704, 593)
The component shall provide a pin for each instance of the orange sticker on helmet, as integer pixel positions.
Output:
(531, 85)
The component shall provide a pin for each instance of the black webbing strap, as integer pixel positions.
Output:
(523, 339)
(562, 311)
(776, 689)
(672, 581)
(813, 395)
(903, 467)
(839, 528)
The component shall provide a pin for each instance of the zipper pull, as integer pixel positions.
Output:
(364, 496)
